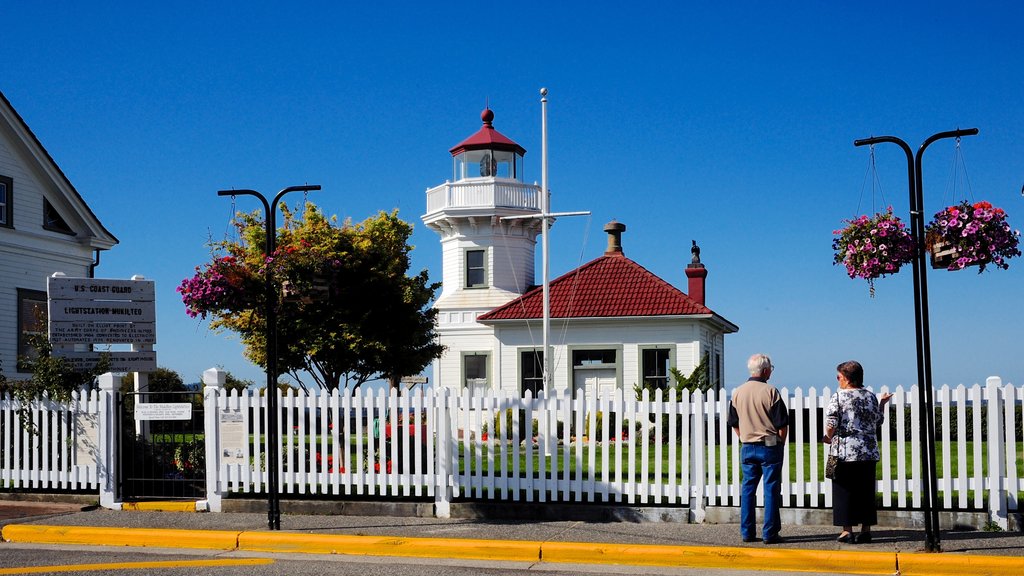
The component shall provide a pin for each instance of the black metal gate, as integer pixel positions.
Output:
(162, 458)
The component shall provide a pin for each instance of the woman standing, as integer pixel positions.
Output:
(851, 418)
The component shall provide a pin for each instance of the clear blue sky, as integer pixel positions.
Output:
(731, 123)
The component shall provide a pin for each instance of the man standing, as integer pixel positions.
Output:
(760, 419)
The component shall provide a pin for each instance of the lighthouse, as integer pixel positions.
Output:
(487, 261)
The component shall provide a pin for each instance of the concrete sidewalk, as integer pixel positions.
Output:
(808, 548)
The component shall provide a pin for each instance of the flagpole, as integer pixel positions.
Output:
(546, 216)
(544, 233)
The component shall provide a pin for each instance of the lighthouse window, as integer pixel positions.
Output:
(474, 371)
(476, 268)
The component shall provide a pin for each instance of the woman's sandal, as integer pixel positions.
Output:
(845, 538)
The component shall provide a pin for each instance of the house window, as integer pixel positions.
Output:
(31, 321)
(655, 366)
(531, 371)
(476, 268)
(52, 220)
(474, 370)
(716, 378)
(6, 201)
(593, 358)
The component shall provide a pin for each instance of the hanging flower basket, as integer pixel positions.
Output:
(224, 284)
(873, 247)
(971, 235)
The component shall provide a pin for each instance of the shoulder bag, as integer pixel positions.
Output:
(832, 463)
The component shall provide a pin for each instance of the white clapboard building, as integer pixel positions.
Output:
(614, 324)
(45, 227)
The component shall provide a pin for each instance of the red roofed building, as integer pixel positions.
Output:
(614, 323)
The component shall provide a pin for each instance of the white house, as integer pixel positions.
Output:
(45, 227)
(615, 324)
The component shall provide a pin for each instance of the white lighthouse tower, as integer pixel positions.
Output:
(487, 261)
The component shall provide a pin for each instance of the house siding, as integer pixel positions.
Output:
(629, 336)
(28, 252)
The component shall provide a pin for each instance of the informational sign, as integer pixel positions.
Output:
(163, 411)
(107, 332)
(233, 436)
(87, 438)
(64, 288)
(144, 361)
(414, 379)
(102, 311)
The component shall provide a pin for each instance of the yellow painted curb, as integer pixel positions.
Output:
(508, 550)
(783, 559)
(168, 506)
(146, 537)
(914, 564)
(754, 558)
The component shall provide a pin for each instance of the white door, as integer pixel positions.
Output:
(591, 382)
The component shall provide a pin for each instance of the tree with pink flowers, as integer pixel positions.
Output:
(348, 311)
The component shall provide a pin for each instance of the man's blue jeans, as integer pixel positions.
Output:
(757, 461)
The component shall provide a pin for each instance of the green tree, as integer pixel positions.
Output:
(51, 375)
(160, 380)
(349, 312)
(232, 382)
(699, 379)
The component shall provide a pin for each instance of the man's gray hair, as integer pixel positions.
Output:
(759, 364)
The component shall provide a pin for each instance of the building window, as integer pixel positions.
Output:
(6, 201)
(476, 268)
(531, 371)
(716, 378)
(655, 366)
(31, 321)
(474, 370)
(52, 220)
(593, 358)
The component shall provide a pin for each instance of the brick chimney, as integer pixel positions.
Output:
(614, 230)
(696, 273)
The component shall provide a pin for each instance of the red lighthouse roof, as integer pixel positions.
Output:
(487, 138)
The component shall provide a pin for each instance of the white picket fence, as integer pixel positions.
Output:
(50, 445)
(429, 443)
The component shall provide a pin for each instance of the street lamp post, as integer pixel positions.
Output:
(929, 481)
(270, 311)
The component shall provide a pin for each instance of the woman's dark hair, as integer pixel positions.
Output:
(853, 371)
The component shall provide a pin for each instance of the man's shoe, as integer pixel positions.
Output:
(774, 540)
(750, 538)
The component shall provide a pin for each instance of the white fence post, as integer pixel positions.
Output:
(213, 384)
(443, 476)
(698, 453)
(109, 440)
(996, 455)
